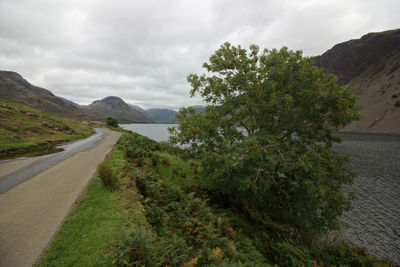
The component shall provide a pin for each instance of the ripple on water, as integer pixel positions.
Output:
(374, 221)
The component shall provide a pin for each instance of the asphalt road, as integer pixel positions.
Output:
(16, 171)
(36, 195)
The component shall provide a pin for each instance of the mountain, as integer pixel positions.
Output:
(69, 101)
(136, 107)
(16, 89)
(115, 107)
(158, 115)
(162, 115)
(370, 67)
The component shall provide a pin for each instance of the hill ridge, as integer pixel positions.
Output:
(370, 67)
(14, 88)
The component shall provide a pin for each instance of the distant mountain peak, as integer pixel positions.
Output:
(117, 108)
(109, 99)
(113, 101)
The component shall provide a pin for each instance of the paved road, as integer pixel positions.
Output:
(16, 171)
(32, 209)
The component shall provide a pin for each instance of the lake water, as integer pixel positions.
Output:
(158, 132)
(374, 220)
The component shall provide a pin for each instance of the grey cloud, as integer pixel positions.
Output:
(142, 51)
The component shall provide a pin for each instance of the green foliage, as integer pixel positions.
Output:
(288, 254)
(397, 103)
(266, 142)
(108, 177)
(136, 248)
(343, 254)
(112, 122)
(185, 230)
(188, 229)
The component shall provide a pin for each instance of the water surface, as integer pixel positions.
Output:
(374, 220)
(157, 132)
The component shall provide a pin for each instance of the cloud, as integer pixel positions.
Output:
(142, 51)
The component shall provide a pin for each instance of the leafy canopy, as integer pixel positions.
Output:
(265, 139)
(112, 122)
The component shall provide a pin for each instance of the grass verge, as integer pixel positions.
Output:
(96, 223)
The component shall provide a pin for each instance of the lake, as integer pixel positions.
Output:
(374, 220)
(158, 132)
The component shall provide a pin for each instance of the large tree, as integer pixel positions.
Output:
(265, 139)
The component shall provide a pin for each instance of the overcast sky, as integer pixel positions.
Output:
(142, 51)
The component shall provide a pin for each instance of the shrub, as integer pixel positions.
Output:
(288, 254)
(397, 103)
(108, 177)
(187, 231)
(343, 254)
(112, 122)
(136, 249)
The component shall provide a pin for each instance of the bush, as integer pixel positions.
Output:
(186, 229)
(108, 177)
(112, 122)
(344, 254)
(397, 103)
(136, 249)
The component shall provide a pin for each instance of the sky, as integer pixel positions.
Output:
(142, 51)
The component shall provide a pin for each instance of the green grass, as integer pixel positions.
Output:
(96, 223)
(176, 170)
(25, 130)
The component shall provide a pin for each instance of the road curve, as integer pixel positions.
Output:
(16, 171)
(32, 211)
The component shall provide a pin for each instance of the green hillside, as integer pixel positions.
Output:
(14, 88)
(27, 131)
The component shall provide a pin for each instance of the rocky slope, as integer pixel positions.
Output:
(370, 67)
(16, 89)
(162, 115)
(117, 108)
